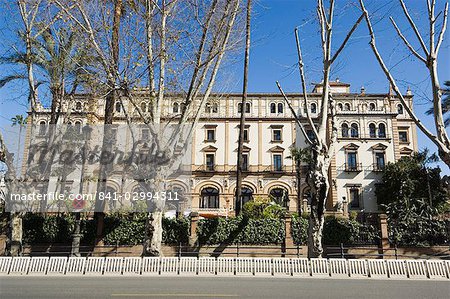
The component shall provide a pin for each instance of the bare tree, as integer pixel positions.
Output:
(429, 58)
(324, 130)
(238, 194)
(172, 45)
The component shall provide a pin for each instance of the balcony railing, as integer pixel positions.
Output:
(206, 168)
(378, 167)
(352, 167)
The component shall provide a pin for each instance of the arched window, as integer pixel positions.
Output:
(279, 195)
(381, 131)
(207, 108)
(78, 106)
(247, 107)
(78, 127)
(215, 108)
(42, 128)
(347, 107)
(354, 130)
(143, 107)
(400, 109)
(209, 198)
(273, 108)
(372, 131)
(183, 107)
(313, 108)
(372, 106)
(340, 107)
(280, 107)
(344, 129)
(118, 107)
(175, 107)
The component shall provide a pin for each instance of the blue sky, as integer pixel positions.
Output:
(273, 54)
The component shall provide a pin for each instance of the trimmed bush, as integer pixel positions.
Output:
(240, 230)
(299, 229)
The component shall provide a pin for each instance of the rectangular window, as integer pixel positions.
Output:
(245, 162)
(145, 134)
(403, 136)
(210, 162)
(354, 198)
(379, 161)
(276, 135)
(277, 163)
(352, 161)
(246, 135)
(210, 135)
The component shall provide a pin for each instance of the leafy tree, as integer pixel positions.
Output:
(413, 194)
(411, 179)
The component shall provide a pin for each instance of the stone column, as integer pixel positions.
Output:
(384, 238)
(15, 242)
(193, 231)
(288, 240)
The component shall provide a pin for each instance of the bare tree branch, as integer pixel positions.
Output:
(414, 27)
(400, 34)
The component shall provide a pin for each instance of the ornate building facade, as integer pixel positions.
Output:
(374, 129)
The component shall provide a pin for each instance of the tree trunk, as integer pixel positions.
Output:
(238, 193)
(153, 234)
(318, 180)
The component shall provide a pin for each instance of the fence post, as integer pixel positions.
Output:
(384, 238)
(237, 249)
(288, 240)
(342, 250)
(193, 231)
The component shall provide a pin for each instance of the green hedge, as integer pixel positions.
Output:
(240, 230)
(299, 230)
(119, 229)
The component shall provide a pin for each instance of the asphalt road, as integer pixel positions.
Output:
(217, 287)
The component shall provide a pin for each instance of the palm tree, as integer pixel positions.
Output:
(63, 60)
(20, 121)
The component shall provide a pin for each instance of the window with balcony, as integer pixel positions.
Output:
(209, 198)
(210, 162)
(277, 162)
(352, 161)
(380, 161)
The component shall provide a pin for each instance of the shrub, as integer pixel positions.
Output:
(299, 229)
(240, 230)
